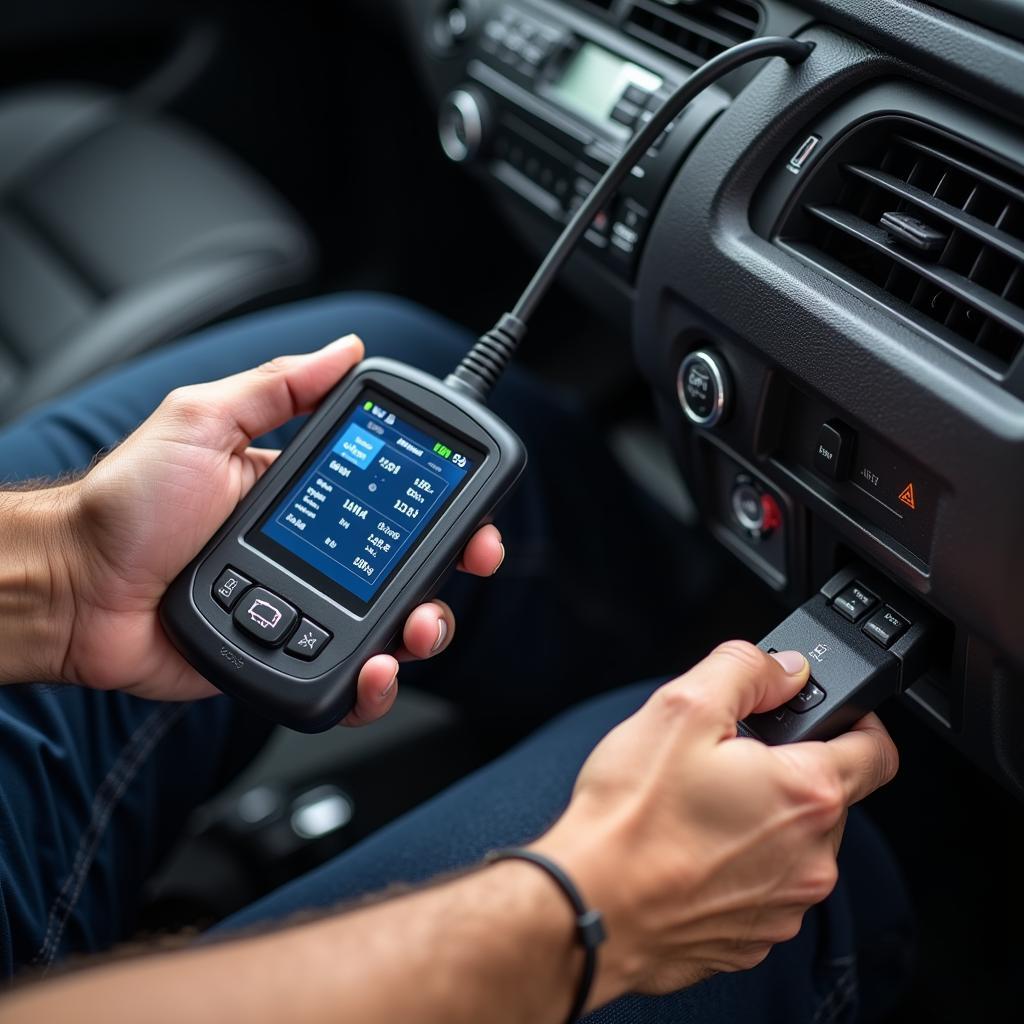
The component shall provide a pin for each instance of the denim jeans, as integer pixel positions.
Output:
(95, 787)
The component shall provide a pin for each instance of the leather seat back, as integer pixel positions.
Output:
(120, 230)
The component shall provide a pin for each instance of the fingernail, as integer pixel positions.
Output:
(346, 342)
(792, 661)
(501, 561)
(386, 692)
(442, 632)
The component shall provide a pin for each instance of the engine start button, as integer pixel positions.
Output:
(702, 385)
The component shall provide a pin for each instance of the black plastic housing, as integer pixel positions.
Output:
(855, 671)
(314, 695)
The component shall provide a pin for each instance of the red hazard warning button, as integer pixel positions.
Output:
(907, 496)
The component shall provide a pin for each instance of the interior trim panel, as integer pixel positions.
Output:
(871, 419)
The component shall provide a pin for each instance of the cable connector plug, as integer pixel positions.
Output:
(482, 366)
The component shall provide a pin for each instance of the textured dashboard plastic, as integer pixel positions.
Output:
(707, 278)
(773, 317)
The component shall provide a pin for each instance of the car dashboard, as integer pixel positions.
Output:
(822, 273)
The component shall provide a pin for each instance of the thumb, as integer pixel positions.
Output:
(259, 400)
(737, 679)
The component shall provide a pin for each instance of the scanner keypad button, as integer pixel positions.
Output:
(229, 587)
(308, 640)
(265, 616)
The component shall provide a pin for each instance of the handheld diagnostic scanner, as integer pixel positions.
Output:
(364, 514)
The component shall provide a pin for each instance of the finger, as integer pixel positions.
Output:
(737, 679)
(428, 631)
(261, 399)
(484, 553)
(261, 459)
(865, 757)
(255, 462)
(376, 691)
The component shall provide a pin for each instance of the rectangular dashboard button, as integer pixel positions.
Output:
(834, 453)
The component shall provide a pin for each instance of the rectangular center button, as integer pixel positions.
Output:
(834, 453)
(265, 616)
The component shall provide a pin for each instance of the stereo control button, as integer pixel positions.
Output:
(229, 587)
(636, 95)
(702, 386)
(265, 616)
(626, 113)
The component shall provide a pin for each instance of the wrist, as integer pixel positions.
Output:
(591, 864)
(37, 601)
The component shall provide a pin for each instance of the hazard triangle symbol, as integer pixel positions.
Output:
(907, 496)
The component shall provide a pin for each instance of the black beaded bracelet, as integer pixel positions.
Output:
(589, 923)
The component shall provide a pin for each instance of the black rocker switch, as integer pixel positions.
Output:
(852, 672)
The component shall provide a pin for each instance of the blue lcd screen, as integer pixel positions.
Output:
(356, 510)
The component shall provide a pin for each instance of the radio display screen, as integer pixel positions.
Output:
(594, 80)
(357, 508)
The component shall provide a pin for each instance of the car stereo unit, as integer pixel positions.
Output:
(551, 102)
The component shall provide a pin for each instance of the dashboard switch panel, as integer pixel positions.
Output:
(868, 478)
(746, 513)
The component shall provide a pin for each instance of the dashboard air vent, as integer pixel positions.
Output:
(609, 7)
(697, 31)
(925, 223)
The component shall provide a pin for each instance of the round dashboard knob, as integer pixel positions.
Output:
(747, 509)
(703, 387)
(753, 508)
(460, 125)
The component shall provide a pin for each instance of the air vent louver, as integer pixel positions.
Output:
(695, 32)
(969, 288)
(607, 8)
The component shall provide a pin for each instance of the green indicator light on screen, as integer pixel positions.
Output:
(442, 450)
(368, 406)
